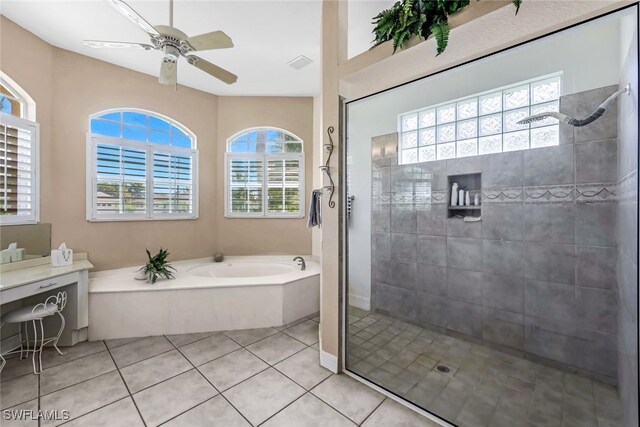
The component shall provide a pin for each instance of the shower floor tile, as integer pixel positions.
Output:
(470, 384)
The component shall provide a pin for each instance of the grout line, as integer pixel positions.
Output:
(51, 367)
(374, 410)
(189, 410)
(214, 387)
(96, 409)
(135, 339)
(191, 342)
(301, 396)
(126, 386)
(285, 407)
(80, 382)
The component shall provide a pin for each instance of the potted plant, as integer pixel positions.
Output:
(421, 18)
(157, 266)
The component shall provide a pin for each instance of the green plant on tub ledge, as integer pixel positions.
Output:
(156, 267)
(421, 18)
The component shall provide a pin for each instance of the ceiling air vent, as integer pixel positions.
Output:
(299, 62)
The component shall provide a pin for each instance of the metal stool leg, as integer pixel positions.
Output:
(41, 345)
(55, 343)
(2, 361)
(26, 333)
(37, 352)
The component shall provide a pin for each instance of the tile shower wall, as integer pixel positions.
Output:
(538, 274)
(628, 241)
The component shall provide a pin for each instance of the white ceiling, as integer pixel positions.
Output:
(267, 34)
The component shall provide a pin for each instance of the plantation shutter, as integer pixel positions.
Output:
(283, 185)
(120, 180)
(172, 183)
(18, 167)
(245, 191)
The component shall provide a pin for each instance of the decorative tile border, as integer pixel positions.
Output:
(549, 194)
(502, 196)
(439, 197)
(628, 187)
(597, 193)
(607, 192)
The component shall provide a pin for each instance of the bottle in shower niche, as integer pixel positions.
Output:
(467, 198)
(454, 194)
(476, 200)
(460, 197)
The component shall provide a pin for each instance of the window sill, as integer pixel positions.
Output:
(264, 217)
(169, 218)
(24, 222)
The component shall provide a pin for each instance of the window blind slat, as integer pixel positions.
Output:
(173, 189)
(17, 174)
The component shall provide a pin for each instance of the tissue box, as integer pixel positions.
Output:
(11, 255)
(61, 257)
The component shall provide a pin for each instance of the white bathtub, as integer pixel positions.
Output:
(239, 293)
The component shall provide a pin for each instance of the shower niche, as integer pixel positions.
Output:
(468, 182)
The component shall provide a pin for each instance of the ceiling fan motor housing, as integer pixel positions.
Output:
(171, 41)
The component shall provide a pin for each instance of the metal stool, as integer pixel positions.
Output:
(54, 304)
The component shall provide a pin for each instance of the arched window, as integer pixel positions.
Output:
(141, 166)
(19, 136)
(14, 101)
(264, 174)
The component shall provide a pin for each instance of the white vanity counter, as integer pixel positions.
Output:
(36, 279)
(38, 269)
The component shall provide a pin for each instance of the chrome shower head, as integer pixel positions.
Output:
(573, 121)
(542, 116)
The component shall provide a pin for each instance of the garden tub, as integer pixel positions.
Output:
(242, 292)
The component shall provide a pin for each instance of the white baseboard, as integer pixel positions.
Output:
(360, 302)
(329, 361)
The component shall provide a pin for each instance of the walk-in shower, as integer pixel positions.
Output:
(514, 302)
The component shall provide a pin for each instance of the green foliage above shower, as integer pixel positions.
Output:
(419, 18)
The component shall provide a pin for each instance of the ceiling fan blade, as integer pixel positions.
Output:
(133, 16)
(97, 44)
(214, 70)
(213, 40)
(168, 72)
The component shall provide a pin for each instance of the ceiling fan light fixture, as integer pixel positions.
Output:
(168, 71)
(299, 62)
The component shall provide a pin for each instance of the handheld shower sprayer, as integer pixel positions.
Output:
(573, 121)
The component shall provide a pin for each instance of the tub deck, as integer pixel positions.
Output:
(122, 307)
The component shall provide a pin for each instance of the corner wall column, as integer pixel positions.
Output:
(334, 50)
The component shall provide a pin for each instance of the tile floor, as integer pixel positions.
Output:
(484, 387)
(268, 377)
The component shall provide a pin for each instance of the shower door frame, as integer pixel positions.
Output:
(344, 223)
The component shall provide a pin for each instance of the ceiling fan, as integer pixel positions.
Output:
(173, 43)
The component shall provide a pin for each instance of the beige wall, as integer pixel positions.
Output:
(69, 87)
(28, 61)
(243, 236)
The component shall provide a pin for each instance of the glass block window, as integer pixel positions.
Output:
(141, 166)
(264, 174)
(483, 123)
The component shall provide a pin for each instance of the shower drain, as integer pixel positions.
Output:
(443, 369)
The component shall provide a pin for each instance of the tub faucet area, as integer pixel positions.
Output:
(301, 263)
